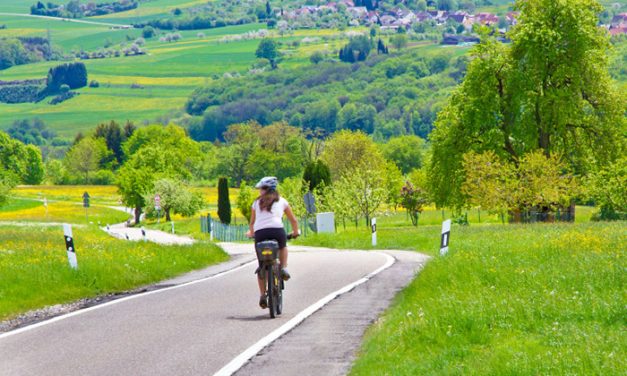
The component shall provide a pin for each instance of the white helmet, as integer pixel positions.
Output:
(269, 182)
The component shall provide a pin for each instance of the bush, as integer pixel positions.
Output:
(64, 88)
(103, 177)
(94, 84)
(148, 32)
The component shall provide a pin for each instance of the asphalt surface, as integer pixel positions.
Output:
(195, 328)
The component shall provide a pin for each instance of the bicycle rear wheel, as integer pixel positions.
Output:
(278, 288)
(271, 292)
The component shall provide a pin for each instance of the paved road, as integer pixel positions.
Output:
(195, 328)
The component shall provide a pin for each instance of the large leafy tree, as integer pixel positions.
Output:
(268, 49)
(85, 157)
(405, 151)
(550, 91)
(154, 153)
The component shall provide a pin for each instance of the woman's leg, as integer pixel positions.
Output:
(262, 285)
(283, 257)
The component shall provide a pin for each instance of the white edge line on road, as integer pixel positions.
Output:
(239, 361)
(116, 301)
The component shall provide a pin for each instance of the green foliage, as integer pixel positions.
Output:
(357, 49)
(245, 200)
(20, 92)
(405, 151)
(508, 100)
(114, 136)
(268, 49)
(317, 174)
(31, 131)
(133, 185)
(19, 163)
(293, 190)
(399, 41)
(148, 32)
(608, 188)
(176, 198)
(74, 75)
(536, 182)
(13, 52)
(316, 57)
(84, 157)
(224, 204)
(413, 199)
(388, 96)
(347, 151)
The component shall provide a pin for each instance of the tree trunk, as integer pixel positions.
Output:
(138, 214)
(167, 214)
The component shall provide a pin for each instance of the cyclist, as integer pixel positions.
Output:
(266, 223)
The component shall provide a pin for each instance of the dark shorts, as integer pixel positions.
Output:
(277, 234)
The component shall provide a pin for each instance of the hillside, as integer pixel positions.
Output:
(156, 84)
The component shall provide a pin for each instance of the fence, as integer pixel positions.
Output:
(237, 233)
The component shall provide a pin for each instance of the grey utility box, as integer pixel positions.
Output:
(325, 222)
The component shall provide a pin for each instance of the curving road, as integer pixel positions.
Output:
(204, 322)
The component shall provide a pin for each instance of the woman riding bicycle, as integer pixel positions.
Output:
(266, 223)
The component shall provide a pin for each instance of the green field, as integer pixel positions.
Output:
(507, 300)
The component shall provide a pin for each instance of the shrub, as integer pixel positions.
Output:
(148, 32)
(73, 75)
(94, 83)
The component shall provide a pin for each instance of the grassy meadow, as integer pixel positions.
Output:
(33, 261)
(508, 300)
(35, 273)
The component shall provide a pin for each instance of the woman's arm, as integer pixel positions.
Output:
(293, 221)
(251, 224)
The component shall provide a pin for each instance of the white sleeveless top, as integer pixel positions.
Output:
(269, 219)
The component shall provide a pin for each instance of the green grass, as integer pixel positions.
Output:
(35, 271)
(507, 300)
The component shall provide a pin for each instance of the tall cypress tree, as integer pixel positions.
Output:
(224, 204)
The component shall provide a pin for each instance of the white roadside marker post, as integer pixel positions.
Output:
(373, 223)
(143, 233)
(210, 229)
(172, 222)
(69, 245)
(446, 234)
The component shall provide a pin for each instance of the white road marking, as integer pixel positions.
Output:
(85, 310)
(239, 361)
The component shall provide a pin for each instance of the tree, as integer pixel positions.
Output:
(176, 198)
(357, 49)
(405, 151)
(35, 171)
(448, 5)
(133, 185)
(224, 203)
(316, 57)
(413, 199)
(72, 74)
(364, 189)
(536, 183)
(508, 102)
(245, 200)
(346, 151)
(489, 182)
(112, 134)
(399, 41)
(317, 174)
(293, 190)
(84, 157)
(31, 131)
(357, 117)
(608, 190)
(148, 32)
(268, 10)
(268, 49)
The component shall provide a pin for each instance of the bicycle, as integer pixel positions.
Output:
(270, 271)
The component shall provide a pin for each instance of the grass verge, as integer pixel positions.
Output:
(507, 300)
(35, 271)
